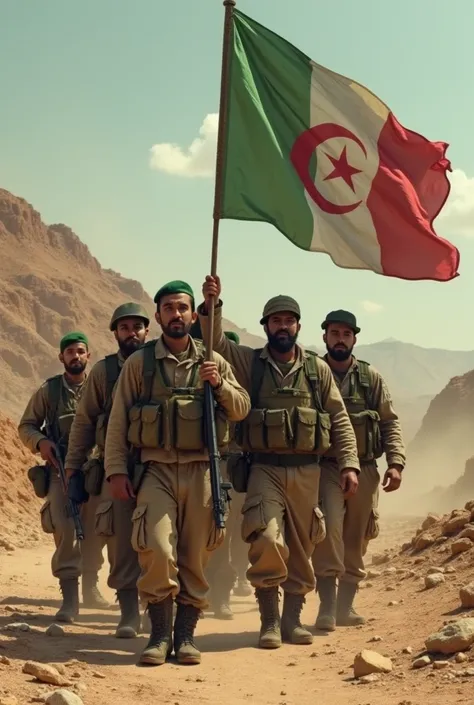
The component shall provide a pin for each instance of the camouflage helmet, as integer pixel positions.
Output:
(129, 310)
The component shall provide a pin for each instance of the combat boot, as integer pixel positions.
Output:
(129, 625)
(270, 630)
(242, 588)
(185, 624)
(70, 606)
(91, 597)
(291, 628)
(160, 644)
(346, 616)
(222, 609)
(326, 619)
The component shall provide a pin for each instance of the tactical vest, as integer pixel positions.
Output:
(172, 418)
(364, 419)
(285, 420)
(112, 373)
(61, 410)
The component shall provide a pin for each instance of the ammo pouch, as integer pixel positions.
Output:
(39, 476)
(238, 471)
(367, 433)
(301, 430)
(94, 473)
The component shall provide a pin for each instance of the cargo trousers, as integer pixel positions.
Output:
(173, 533)
(113, 524)
(71, 558)
(350, 524)
(282, 523)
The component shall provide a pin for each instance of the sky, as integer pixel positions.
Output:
(108, 123)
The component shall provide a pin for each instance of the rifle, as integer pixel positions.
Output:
(219, 488)
(72, 506)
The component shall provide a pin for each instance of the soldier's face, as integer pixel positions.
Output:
(130, 334)
(282, 331)
(340, 341)
(176, 315)
(75, 358)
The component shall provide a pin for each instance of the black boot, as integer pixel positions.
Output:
(129, 625)
(91, 597)
(70, 606)
(326, 619)
(184, 626)
(270, 629)
(160, 645)
(291, 627)
(346, 616)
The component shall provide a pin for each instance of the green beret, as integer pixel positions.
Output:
(174, 287)
(230, 335)
(75, 337)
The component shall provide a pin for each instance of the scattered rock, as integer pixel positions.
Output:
(55, 630)
(5, 660)
(80, 688)
(47, 674)
(390, 588)
(454, 637)
(390, 571)
(466, 595)
(8, 700)
(461, 545)
(434, 580)
(370, 678)
(421, 662)
(467, 532)
(60, 667)
(407, 650)
(423, 541)
(380, 558)
(460, 658)
(63, 697)
(438, 665)
(373, 574)
(98, 674)
(375, 638)
(367, 662)
(469, 505)
(435, 570)
(393, 603)
(430, 520)
(420, 559)
(457, 521)
(450, 569)
(18, 627)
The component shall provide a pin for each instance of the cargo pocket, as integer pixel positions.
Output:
(318, 527)
(253, 518)
(104, 519)
(253, 427)
(47, 518)
(135, 426)
(94, 476)
(189, 427)
(305, 429)
(151, 422)
(278, 429)
(323, 433)
(139, 528)
(373, 526)
(222, 428)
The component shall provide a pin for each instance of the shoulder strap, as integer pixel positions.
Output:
(312, 375)
(112, 373)
(363, 377)
(258, 371)
(54, 397)
(149, 368)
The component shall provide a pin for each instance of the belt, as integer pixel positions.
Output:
(289, 460)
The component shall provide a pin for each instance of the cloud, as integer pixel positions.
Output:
(198, 160)
(457, 215)
(371, 306)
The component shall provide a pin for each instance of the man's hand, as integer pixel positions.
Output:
(211, 289)
(208, 372)
(392, 480)
(349, 482)
(121, 487)
(47, 451)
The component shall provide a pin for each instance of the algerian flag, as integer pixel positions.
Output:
(326, 162)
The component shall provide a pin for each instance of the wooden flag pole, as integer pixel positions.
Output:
(220, 157)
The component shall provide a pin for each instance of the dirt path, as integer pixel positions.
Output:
(233, 671)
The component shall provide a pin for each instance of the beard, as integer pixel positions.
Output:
(75, 368)
(281, 341)
(129, 346)
(172, 330)
(340, 353)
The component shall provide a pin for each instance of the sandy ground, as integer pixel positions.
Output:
(233, 670)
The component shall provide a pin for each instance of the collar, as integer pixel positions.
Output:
(162, 351)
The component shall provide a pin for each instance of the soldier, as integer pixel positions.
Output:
(297, 411)
(351, 522)
(129, 324)
(54, 404)
(158, 408)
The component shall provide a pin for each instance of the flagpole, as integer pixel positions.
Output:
(220, 158)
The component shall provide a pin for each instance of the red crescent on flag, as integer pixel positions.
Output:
(300, 156)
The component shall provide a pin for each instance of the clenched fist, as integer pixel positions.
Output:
(211, 289)
(209, 373)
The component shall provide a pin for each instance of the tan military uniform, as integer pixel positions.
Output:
(281, 518)
(71, 558)
(173, 525)
(113, 518)
(351, 523)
